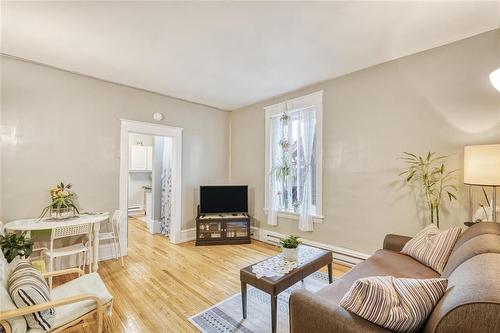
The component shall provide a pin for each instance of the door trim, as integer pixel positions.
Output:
(175, 133)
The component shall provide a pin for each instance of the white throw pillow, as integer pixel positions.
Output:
(400, 305)
(432, 247)
(27, 287)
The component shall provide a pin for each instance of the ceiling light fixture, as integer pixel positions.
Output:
(495, 79)
(158, 116)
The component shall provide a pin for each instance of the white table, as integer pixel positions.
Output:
(49, 224)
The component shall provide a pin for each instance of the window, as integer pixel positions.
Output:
(293, 157)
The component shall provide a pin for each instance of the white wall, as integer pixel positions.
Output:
(437, 100)
(68, 128)
(136, 180)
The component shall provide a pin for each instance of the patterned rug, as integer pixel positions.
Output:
(226, 317)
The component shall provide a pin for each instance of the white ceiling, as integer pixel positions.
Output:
(232, 54)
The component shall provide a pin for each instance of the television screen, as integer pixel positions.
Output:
(223, 199)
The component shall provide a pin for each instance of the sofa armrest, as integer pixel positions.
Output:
(395, 242)
(310, 313)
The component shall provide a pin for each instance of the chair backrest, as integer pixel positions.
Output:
(472, 301)
(70, 230)
(116, 220)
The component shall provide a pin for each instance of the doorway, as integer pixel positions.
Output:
(150, 178)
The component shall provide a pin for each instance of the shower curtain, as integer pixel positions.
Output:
(166, 188)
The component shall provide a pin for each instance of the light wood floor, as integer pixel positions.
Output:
(163, 284)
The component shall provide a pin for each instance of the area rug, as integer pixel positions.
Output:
(226, 317)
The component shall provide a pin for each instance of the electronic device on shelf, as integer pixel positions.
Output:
(223, 199)
(223, 215)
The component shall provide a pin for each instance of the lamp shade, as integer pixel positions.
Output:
(495, 79)
(482, 165)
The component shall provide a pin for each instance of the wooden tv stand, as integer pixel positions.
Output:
(218, 229)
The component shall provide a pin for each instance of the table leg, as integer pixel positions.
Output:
(274, 303)
(95, 246)
(244, 299)
(330, 271)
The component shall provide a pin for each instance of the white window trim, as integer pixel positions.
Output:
(298, 103)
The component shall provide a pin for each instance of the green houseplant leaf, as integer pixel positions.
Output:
(430, 174)
(14, 245)
(290, 242)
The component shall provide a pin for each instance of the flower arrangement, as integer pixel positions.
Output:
(16, 245)
(63, 202)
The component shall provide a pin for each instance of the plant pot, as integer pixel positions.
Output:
(290, 254)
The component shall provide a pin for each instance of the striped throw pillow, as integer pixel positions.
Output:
(400, 305)
(432, 247)
(27, 287)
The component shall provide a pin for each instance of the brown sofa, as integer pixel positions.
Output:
(471, 303)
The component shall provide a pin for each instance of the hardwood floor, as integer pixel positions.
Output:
(163, 284)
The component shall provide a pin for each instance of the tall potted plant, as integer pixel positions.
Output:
(430, 173)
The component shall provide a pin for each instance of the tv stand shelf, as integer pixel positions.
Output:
(215, 229)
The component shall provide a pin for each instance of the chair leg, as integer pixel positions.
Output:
(51, 269)
(79, 261)
(115, 254)
(99, 319)
(120, 251)
(90, 255)
(84, 261)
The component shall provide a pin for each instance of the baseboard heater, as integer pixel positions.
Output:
(338, 256)
(135, 209)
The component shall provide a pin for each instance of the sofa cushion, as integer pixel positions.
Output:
(401, 305)
(483, 243)
(17, 324)
(432, 247)
(86, 284)
(477, 230)
(27, 287)
(382, 262)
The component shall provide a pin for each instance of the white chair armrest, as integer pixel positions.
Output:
(40, 307)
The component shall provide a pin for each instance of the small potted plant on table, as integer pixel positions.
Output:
(63, 202)
(290, 247)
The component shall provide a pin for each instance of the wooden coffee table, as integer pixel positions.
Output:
(276, 284)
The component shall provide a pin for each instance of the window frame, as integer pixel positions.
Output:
(294, 105)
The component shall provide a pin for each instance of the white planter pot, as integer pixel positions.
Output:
(290, 254)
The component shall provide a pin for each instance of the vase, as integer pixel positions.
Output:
(290, 254)
(62, 213)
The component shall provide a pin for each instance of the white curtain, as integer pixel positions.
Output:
(166, 188)
(307, 130)
(274, 188)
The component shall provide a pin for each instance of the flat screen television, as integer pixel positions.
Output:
(223, 199)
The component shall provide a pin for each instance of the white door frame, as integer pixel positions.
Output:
(175, 133)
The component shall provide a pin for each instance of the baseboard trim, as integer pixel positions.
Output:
(340, 255)
(188, 235)
(106, 250)
(153, 226)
